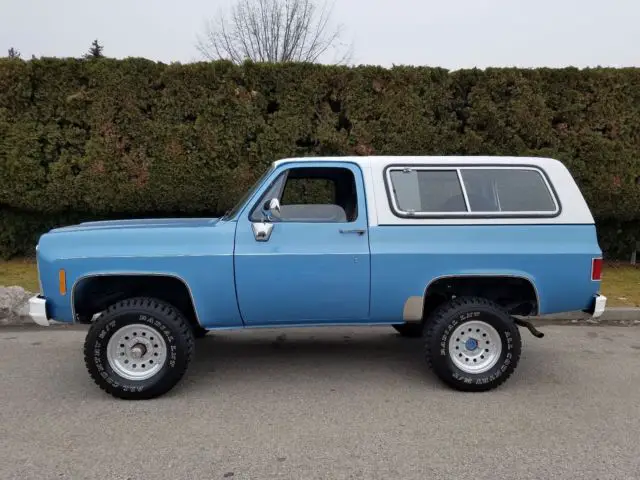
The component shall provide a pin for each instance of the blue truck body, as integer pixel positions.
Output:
(363, 271)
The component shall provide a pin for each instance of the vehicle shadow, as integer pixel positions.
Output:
(246, 356)
(281, 358)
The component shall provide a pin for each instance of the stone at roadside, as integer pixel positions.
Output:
(14, 308)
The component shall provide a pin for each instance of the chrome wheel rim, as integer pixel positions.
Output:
(475, 347)
(136, 352)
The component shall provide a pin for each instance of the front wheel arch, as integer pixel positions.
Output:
(95, 292)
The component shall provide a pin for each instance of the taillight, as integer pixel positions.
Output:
(596, 269)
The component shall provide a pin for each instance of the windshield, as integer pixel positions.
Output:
(236, 209)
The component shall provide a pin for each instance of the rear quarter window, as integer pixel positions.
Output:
(428, 191)
(507, 190)
(470, 191)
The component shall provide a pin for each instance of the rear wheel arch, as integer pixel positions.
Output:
(93, 293)
(517, 294)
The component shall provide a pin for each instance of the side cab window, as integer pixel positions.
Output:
(312, 194)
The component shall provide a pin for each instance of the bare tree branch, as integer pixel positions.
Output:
(13, 53)
(272, 31)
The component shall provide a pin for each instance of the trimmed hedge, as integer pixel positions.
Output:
(88, 139)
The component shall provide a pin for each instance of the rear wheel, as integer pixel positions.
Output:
(138, 348)
(472, 344)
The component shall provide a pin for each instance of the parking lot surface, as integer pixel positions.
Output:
(333, 403)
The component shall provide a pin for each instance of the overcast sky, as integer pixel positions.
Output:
(453, 34)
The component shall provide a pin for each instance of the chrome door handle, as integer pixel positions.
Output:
(356, 231)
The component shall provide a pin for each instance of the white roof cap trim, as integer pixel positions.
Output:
(574, 209)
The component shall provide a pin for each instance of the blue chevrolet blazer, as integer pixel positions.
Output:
(456, 250)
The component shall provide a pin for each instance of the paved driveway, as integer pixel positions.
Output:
(331, 404)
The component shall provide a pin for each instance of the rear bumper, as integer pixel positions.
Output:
(38, 310)
(598, 305)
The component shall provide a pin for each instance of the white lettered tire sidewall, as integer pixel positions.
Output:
(465, 311)
(166, 321)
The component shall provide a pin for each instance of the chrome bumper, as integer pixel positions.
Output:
(599, 304)
(38, 311)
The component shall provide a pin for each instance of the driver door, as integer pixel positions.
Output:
(310, 265)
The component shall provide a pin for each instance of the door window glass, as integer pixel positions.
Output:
(311, 194)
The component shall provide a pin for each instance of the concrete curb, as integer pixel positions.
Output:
(611, 316)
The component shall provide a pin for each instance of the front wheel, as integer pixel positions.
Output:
(472, 344)
(138, 348)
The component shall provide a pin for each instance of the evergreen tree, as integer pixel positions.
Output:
(95, 51)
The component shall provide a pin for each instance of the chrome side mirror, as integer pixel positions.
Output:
(262, 231)
(272, 208)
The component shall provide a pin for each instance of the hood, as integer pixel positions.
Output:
(140, 223)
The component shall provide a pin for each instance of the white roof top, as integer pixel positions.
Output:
(381, 160)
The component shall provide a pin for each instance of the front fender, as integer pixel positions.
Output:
(200, 257)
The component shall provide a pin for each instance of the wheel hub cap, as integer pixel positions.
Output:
(471, 344)
(475, 347)
(136, 352)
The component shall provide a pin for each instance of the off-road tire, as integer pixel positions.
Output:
(410, 330)
(446, 319)
(166, 320)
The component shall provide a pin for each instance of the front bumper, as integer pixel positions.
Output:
(38, 311)
(599, 305)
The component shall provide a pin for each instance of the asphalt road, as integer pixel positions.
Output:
(325, 403)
